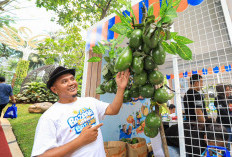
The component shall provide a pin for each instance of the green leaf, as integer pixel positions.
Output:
(182, 39)
(119, 28)
(183, 51)
(176, 3)
(119, 50)
(150, 10)
(124, 20)
(122, 2)
(112, 54)
(166, 19)
(163, 8)
(99, 49)
(171, 13)
(120, 39)
(173, 47)
(173, 34)
(107, 59)
(94, 59)
(168, 48)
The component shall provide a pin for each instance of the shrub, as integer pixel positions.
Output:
(35, 92)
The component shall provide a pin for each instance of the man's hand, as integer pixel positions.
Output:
(122, 79)
(89, 133)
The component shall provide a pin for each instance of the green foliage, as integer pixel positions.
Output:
(66, 49)
(35, 61)
(7, 52)
(36, 92)
(22, 68)
(79, 12)
(17, 85)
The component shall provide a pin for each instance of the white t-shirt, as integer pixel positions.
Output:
(62, 123)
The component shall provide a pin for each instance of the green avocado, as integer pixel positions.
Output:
(152, 37)
(159, 55)
(155, 77)
(152, 120)
(162, 96)
(136, 39)
(140, 79)
(150, 132)
(124, 60)
(137, 64)
(149, 64)
(147, 91)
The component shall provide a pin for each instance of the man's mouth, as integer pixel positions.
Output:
(72, 89)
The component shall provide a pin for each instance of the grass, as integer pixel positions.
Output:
(24, 128)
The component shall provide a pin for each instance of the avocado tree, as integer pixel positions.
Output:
(149, 42)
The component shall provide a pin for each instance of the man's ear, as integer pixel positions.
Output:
(53, 89)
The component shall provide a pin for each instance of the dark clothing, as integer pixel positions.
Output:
(5, 92)
(192, 100)
(194, 139)
(1, 108)
(224, 116)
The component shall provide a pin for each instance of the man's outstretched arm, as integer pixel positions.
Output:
(121, 80)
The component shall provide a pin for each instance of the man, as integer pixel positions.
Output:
(172, 109)
(222, 104)
(194, 102)
(71, 126)
(197, 139)
(5, 93)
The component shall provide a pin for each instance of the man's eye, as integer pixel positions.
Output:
(64, 81)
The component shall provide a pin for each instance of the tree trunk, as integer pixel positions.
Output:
(104, 11)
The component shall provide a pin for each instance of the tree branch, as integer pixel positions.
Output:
(4, 2)
(104, 11)
(98, 6)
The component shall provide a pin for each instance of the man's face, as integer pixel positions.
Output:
(65, 86)
(198, 85)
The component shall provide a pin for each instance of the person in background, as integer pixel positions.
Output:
(215, 135)
(208, 134)
(194, 104)
(222, 104)
(5, 93)
(71, 126)
(172, 108)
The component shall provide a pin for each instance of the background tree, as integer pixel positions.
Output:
(5, 18)
(65, 48)
(84, 13)
(7, 52)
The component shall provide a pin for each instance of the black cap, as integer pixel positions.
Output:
(58, 72)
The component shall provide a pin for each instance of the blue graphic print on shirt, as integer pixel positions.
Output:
(84, 117)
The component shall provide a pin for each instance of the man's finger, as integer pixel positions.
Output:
(87, 127)
(97, 126)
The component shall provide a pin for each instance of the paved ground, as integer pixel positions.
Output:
(11, 140)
